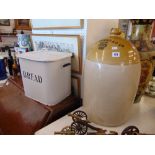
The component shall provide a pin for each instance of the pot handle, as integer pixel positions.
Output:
(67, 64)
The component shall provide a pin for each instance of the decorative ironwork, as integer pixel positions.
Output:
(81, 114)
(130, 130)
(80, 126)
(80, 129)
(65, 131)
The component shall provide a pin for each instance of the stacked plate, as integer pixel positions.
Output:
(2, 82)
(151, 88)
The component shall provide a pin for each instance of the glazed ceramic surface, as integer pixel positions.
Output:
(109, 91)
(111, 77)
(114, 50)
(24, 41)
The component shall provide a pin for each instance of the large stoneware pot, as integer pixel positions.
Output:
(111, 77)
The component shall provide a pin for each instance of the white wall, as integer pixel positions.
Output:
(93, 30)
(82, 32)
(99, 28)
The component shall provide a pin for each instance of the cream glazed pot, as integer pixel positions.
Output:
(111, 78)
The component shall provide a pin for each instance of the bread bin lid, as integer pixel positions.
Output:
(44, 56)
(114, 50)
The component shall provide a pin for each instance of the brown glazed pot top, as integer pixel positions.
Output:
(114, 50)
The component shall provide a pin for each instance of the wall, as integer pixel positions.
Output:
(97, 29)
(82, 32)
(93, 30)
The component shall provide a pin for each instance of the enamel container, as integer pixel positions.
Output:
(46, 75)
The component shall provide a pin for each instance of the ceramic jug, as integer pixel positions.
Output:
(24, 41)
(111, 77)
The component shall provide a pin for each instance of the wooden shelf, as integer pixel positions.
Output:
(8, 34)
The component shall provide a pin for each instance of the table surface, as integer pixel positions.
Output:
(142, 115)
